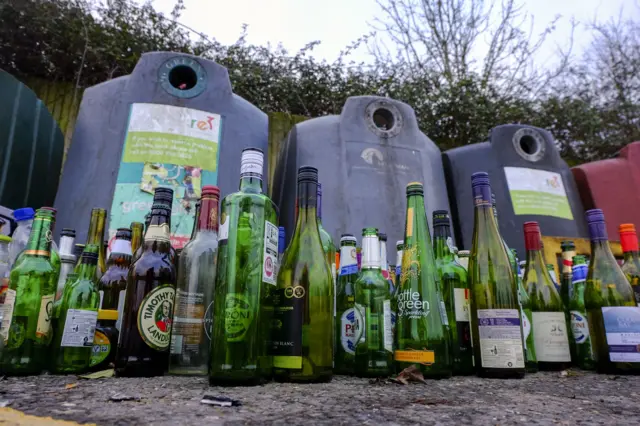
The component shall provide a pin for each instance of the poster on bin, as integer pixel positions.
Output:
(165, 146)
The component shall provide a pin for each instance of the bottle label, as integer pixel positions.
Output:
(526, 325)
(223, 229)
(188, 316)
(43, 329)
(251, 164)
(409, 230)
(101, 349)
(349, 269)
(6, 313)
(79, 328)
(351, 323)
(579, 327)
(411, 305)
(415, 357)
(122, 247)
(550, 337)
(622, 328)
(461, 302)
(289, 306)
(155, 317)
(398, 271)
(270, 253)
(238, 316)
(159, 233)
(500, 338)
(121, 296)
(388, 331)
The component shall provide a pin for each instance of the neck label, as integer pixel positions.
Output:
(122, 247)
(251, 164)
(348, 260)
(158, 233)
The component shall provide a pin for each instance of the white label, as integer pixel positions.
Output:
(79, 328)
(410, 305)
(121, 296)
(44, 316)
(351, 325)
(6, 313)
(251, 164)
(461, 304)
(550, 337)
(101, 293)
(176, 343)
(443, 312)
(500, 338)
(622, 328)
(526, 327)
(388, 333)
(270, 253)
(223, 229)
(122, 247)
(579, 327)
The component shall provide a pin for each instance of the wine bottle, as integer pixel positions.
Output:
(631, 265)
(612, 312)
(583, 350)
(302, 339)
(548, 321)
(348, 320)
(327, 242)
(531, 362)
(422, 334)
(495, 314)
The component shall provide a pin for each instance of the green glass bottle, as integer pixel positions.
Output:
(26, 325)
(548, 321)
(554, 278)
(327, 243)
(422, 334)
(76, 321)
(113, 283)
(374, 348)
(612, 312)
(455, 292)
(531, 362)
(348, 320)
(245, 280)
(568, 252)
(399, 248)
(583, 350)
(495, 312)
(631, 265)
(302, 339)
(95, 238)
(191, 335)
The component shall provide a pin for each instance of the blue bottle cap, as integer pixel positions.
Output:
(594, 215)
(480, 178)
(597, 226)
(26, 213)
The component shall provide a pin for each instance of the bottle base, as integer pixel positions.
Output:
(501, 373)
(285, 377)
(553, 366)
(238, 381)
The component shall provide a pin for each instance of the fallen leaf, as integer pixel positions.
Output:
(99, 374)
(71, 385)
(409, 374)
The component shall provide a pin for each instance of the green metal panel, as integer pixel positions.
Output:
(31, 147)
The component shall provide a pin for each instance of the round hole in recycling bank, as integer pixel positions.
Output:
(529, 144)
(183, 77)
(383, 119)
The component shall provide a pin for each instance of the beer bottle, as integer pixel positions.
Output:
(422, 334)
(548, 322)
(348, 319)
(399, 248)
(148, 307)
(612, 312)
(113, 284)
(77, 317)
(302, 340)
(455, 292)
(374, 348)
(67, 259)
(583, 350)
(95, 238)
(26, 325)
(245, 279)
(495, 314)
(631, 265)
(190, 342)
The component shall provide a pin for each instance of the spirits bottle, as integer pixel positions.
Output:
(422, 334)
(149, 299)
(612, 312)
(303, 302)
(495, 314)
(113, 284)
(455, 292)
(190, 344)
(631, 265)
(245, 280)
(26, 312)
(348, 320)
(548, 322)
(583, 350)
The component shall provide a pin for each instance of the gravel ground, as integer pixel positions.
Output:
(542, 398)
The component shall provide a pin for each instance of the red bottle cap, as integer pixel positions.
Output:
(628, 237)
(211, 191)
(532, 236)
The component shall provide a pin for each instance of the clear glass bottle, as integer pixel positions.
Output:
(348, 320)
(20, 237)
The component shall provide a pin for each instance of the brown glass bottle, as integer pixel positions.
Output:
(113, 283)
(146, 326)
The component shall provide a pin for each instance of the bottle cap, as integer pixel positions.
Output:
(594, 215)
(347, 237)
(68, 232)
(253, 149)
(45, 212)
(163, 195)
(597, 226)
(78, 249)
(463, 253)
(307, 174)
(415, 188)
(135, 225)
(26, 213)
(211, 191)
(627, 228)
(89, 256)
(123, 234)
(108, 314)
(579, 259)
(382, 236)
(399, 243)
(628, 237)
(370, 232)
(567, 245)
(532, 235)
(440, 218)
(480, 178)
(51, 209)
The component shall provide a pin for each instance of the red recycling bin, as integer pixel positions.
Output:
(612, 185)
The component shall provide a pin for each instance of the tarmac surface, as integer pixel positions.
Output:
(566, 398)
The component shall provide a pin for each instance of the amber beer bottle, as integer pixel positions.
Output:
(148, 310)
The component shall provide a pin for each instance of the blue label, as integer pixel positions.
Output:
(349, 269)
(482, 195)
(398, 270)
(622, 328)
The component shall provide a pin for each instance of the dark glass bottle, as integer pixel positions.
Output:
(348, 319)
(147, 320)
(113, 284)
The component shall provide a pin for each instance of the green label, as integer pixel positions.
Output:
(238, 315)
(101, 348)
(537, 192)
(155, 317)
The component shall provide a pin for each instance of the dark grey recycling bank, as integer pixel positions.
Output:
(529, 179)
(200, 107)
(365, 158)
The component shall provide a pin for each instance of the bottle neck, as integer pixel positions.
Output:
(96, 228)
(208, 217)
(485, 215)
(136, 238)
(535, 260)
(415, 223)
(121, 247)
(39, 242)
(348, 256)
(631, 256)
(441, 235)
(567, 261)
(157, 237)
(629, 242)
(307, 203)
(383, 255)
(87, 269)
(251, 185)
(66, 245)
(370, 252)
(319, 208)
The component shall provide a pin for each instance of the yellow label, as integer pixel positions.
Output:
(289, 362)
(410, 222)
(421, 357)
(158, 233)
(44, 317)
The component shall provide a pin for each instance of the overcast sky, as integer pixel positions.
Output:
(336, 23)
